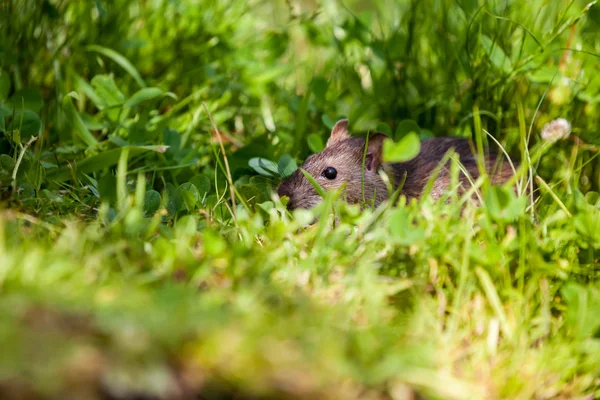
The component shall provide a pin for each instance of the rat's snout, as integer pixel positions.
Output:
(284, 189)
(300, 192)
(291, 205)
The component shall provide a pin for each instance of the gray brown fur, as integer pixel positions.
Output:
(345, 154)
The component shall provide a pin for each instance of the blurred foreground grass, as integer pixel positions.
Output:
(128, 271)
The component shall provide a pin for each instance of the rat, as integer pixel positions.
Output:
(342, 162)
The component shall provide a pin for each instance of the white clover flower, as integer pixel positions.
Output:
(556, 130)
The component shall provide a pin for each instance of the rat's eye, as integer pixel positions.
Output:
(329, 173)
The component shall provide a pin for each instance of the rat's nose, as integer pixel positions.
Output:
(291, 205)
(284, 190)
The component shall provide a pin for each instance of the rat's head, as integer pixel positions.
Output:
(340, 162)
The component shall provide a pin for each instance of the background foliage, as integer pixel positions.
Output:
(133, 264)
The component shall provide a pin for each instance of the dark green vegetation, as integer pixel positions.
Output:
(128, 270)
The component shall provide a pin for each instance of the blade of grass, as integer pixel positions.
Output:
(479, 142)
(519, 25)
(228, 172)
(122, 180)
(549, 190)
(512, 166)
(463, 274)
(140, 191)
(74, 119)
(119, 59)
(320, 191)
(492, 295)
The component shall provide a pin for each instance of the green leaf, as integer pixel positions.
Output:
(119, 59)
(107, 91)
(174, 201)
(405, 127)
(202, 183)
(185, 227)
(48, 165)
(91, 122)
(503, 204)
(497, 199)
(74, 120)
(33, 173)
(151, 202)
(213, 243)
(328, 121)
(7, 163)
(87, 89)
(496, 55)
(286, 165)
(406, 149)
(588, 225)
(28, 123)
(28, 99)
(263, 166)
(189, 196)
(384, 128)
(266, 206)
(402, 229)
(143, 95)
(251, 193)
(26, 191)
(172, 138)
(583, 308)
(315, 143)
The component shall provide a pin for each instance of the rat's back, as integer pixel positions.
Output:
(354, 164)
(417, 172)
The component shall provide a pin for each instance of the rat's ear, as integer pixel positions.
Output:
(339, 132)
(374, 151)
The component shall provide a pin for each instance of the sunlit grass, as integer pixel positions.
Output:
(143, 254)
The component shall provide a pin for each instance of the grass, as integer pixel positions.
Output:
(144, 255)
